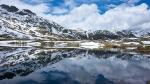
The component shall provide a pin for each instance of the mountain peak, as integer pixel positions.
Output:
(16, 10)
(9, 8)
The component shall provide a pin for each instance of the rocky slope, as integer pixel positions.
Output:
(24, 24)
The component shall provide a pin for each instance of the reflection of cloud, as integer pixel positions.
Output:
(112, 68)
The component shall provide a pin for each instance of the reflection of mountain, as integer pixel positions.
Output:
(23, 61)
(73, 67)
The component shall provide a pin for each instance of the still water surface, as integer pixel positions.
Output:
(72, 66)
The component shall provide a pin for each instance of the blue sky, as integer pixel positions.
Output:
(91, 14)
(103, 5)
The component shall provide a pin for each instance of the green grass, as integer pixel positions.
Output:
(73, 44)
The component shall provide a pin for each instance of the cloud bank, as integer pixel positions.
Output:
(89, 17)
(119, 18)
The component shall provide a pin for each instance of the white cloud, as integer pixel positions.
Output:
(110, 6)
(79, 17)
(89, 18)
(58, 10)
(133, 1)
(70, 3)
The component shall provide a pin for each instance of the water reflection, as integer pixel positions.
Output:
(72, 66)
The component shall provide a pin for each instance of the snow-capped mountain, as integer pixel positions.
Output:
(98, 34)
(24, 24)
(105, 34)
(139, 32)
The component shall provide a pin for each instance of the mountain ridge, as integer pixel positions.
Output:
(22, 24)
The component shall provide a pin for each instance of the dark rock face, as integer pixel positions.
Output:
(15, 9)
(125, 33)
(28, 11)
(103, 34)
(9, 8)
(25, 12)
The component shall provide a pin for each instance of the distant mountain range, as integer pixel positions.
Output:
(24, 24)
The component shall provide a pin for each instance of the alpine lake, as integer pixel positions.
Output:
(67, 62)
